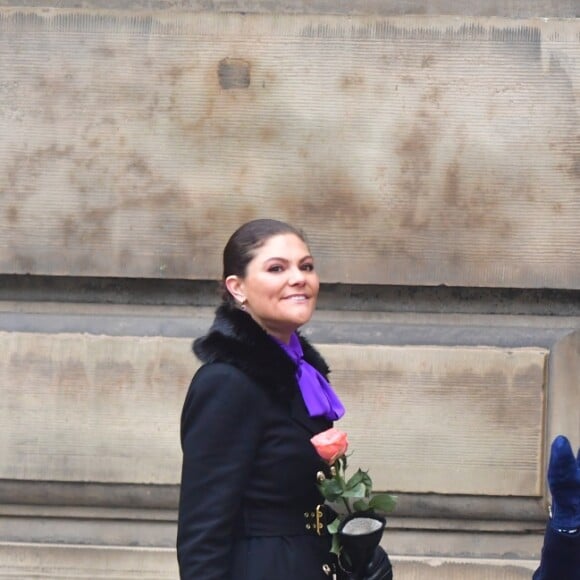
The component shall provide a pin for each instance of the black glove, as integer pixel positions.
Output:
(379, 568)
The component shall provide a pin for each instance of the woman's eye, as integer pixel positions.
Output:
(275, 268)
(308, 267)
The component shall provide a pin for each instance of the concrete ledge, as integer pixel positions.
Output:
(461, 569)
(138, 528)
(67, 562)
(52, 562)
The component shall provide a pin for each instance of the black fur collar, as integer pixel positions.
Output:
(235, 338)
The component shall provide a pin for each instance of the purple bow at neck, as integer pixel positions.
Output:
(319, 397)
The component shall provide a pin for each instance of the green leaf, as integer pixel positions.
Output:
(359, 491)
(360, 477)
(332, 527)
(382, 502)
(331, 489)
(360, 505)
(335, 548)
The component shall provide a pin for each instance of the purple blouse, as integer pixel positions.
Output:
(319, 397)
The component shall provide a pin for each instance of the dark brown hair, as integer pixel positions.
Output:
(243, 243)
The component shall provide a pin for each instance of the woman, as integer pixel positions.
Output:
(248, 489)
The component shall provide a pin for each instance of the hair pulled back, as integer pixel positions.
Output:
(243, 243)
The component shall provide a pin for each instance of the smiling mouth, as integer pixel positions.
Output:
(298, 297)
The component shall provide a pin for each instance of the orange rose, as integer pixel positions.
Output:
(330, 444)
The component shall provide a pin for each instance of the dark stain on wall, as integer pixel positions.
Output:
(569, 146)
(427, 61)
(414, 150)
(451, 191)
(175, 73)
(71, 374)
(24, 263)
(330, 197)
(352, 81)
(12, 215)
(234, 73)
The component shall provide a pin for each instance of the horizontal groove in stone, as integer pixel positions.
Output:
(335, 329)
(89, 494)
(524, 543)
(528, 8)
(165, 497)
(332, 296)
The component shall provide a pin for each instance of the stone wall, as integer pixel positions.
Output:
(431, 152)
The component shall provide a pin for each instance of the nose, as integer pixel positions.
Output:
(297, 277)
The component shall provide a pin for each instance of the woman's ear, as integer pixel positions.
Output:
(235, 286)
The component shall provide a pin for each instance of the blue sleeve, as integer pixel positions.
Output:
(221, 427)
(560, 556)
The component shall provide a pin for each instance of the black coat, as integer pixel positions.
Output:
(249, 469)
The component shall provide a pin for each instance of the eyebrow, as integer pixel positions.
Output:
(285, 260)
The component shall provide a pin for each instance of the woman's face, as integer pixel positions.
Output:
(280, 287)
